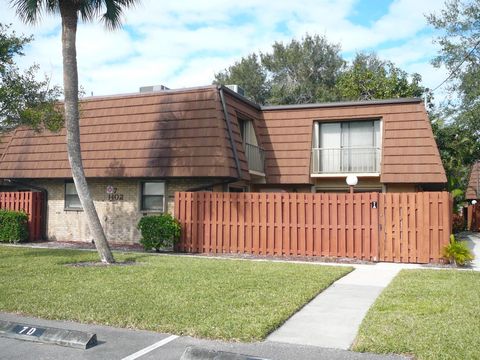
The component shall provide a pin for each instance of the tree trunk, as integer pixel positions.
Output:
(70, 84)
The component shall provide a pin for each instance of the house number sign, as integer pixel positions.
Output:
(28, 330)
(113, 195)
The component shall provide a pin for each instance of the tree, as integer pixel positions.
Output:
(460, 52)
(303, 71)
(299, 72)
(458, 136)
(70, 11)
(23, 99)
(369, 77)
(250, 74)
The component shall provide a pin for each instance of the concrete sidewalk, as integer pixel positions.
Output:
(473, 242)
(332, 319)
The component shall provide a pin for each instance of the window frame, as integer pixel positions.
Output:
(142, 196)
(345, 136)
(66, 207)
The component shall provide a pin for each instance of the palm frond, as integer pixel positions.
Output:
(30, 11)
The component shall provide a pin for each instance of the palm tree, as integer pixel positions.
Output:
(70, 11)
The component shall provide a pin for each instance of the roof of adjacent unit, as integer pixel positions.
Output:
(178, 133)
(185, 133)
(473, 189)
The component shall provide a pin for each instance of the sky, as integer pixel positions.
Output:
(183, 43)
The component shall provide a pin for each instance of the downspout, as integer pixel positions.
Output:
(230, 134)
(44, 205)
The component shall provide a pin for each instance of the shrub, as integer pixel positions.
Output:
(457, 252)
(13, 226)
(158, 231)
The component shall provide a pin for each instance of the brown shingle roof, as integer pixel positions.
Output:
(409, 151)
(473, 189)
(183, 133)
(159, 134)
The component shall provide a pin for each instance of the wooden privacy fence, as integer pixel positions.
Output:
(410, 227)
(29, 202)
(473, 217)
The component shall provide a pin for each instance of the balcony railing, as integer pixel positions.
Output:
(345, 160)
(255, 157)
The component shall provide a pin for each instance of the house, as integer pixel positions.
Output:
(473, 188)
(139, 149)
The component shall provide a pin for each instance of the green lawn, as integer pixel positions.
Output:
(429, 313)
(223, 299)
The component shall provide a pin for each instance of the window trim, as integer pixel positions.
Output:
(164, 205)
(65, 207)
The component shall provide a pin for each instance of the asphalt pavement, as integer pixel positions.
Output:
(128, 344)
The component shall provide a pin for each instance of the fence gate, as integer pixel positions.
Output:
(31, 203)
(414, 226)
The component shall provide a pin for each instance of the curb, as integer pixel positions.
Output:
(197, 353)
(47, 335)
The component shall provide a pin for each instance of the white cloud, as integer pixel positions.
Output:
(183, 43)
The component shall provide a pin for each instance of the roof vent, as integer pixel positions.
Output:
(239, 90)
(144, 89)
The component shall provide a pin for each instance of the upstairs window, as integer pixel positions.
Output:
(247, 131)
(72, 201)
(153, 196)
(346, 147)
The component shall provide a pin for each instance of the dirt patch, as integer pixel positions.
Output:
(100, 264)
(288, 258)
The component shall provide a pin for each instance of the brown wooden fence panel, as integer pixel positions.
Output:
(296, 224)
(29, 202)
(407, 227)
(414, 226)
(473, 217)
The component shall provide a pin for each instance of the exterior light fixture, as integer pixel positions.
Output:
(474, 202)
(351, 180)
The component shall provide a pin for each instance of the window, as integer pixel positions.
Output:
(153, 196)
(349, 146)
(254, 153)
(72, 201)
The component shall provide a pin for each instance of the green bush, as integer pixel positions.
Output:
(13, 226)
(457, 252)
(158, 231)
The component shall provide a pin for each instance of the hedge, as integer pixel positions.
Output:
(158, 231)
(13, 226)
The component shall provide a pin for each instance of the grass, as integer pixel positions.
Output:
(429, 313)
(210, 298)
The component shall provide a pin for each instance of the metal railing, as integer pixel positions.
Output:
(345, 160)
(255, 157)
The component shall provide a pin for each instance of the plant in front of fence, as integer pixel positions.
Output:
(457, 252)
(13, 226)
(159, 231)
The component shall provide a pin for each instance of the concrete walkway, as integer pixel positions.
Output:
(473, 242)
(332, 319)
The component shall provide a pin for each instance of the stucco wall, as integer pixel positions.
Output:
(119, 217)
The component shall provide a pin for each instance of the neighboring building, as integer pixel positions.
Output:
(138, 149)
(473, 189)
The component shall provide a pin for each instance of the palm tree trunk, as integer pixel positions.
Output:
(70, 84)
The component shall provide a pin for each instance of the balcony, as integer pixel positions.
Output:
(346, 160)
(255, 157)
